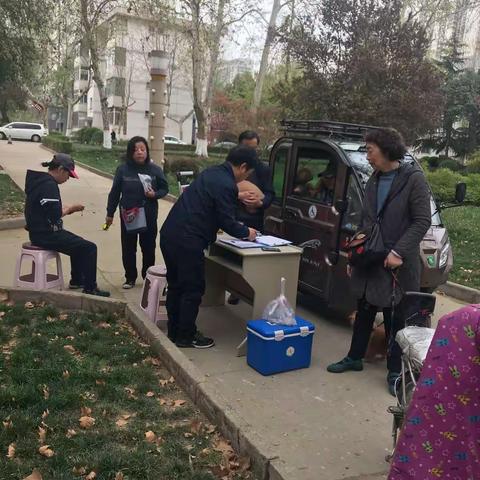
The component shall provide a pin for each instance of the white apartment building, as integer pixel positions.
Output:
(126, 40)
(229, 69)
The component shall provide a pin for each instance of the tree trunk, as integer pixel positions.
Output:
(69, 118)
(257, 94)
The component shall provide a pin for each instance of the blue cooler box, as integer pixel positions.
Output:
(273, 348)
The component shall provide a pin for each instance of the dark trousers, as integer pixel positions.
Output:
(147, 241)
(82, 253)
(186, 286)
(362, 330)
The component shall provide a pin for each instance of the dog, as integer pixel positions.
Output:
(377, 346)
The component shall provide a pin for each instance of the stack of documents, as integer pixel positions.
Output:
(261, 241)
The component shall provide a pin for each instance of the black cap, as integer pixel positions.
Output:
(66, 161)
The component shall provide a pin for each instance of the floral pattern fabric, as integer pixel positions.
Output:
(441, 435)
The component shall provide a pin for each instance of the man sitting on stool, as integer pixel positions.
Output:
(206, 206)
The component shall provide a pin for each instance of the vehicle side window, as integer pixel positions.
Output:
(24, 126)
(315, 175)
(279, 165)
(353, 215)
(16, 125)
(36, 127)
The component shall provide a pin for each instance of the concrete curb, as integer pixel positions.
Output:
(12, 223)
(460, 292)
(199, 387)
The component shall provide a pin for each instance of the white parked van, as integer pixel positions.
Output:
(23, 131)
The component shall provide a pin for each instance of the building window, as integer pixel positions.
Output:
(114, 116)
(120, 56)
(83, 100)
(115, 86)
(84, 73)
(90, 103)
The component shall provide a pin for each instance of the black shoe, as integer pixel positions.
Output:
(97, 292)
(75, 286)
(233, 300)
(198, 341)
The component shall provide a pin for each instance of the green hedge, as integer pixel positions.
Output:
(58, 144)
(89, 135)
(443, 183)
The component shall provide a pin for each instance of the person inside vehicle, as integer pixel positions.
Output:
(255, 194)
(207, 205)
(303, 187)
(43, 214)
(399, 193)
(326, 185)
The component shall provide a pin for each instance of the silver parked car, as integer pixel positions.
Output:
(23, 131)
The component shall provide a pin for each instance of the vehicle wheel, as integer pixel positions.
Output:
(2, 136)
(35, 138)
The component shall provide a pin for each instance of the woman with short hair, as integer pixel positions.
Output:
(398, 192)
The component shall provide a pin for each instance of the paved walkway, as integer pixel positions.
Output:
(313, 425)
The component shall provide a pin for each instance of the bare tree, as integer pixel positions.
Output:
(271, 31)
(92, 13)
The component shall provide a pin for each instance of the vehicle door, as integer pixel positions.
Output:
(13, 130)
(23, 131)
(279, 161)
(314, 204)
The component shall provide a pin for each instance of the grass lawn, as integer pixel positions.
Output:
(80, 393)
(12, 199)
(463, 228)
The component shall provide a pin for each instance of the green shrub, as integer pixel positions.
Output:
(450, 163)
(443, 183)
(85, 134)
(431, 161)
(179, 164)
(473, 164)
(58, 144)
(97, 137)
(473, 188)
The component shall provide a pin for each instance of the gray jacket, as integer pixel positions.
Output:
(406, 218)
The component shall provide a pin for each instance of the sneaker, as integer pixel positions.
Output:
(128, 285)
(75, 286)
(233, 300)
(346, 364)
(198, 341)
(97, 292)
(392, 380)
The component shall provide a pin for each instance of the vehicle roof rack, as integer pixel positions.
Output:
(326, 128)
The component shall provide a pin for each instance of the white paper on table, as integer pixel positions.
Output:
(271, 241)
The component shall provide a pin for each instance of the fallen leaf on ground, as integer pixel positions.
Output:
(104, 325)
(87, 422)
(206, 451)
(29, 305)
(91, 476)
(63, 316)
(79, 470)
(46, 392)
(188, 435)
(162, 401)
(50, 319)
(121, 422)
(66, 374)
(220, 471)
(211, 428)
(85, 411)
(178, 403)
(42, 434)
(35, 475)
(224, 448)
(130, 393)
(100, 382)
(152, 361)
(119, 476)
(244, 464)
(71, 433)
(150, 394)
(2, 314)
(45, 414)
(11, 451)
(7, 423)
(70, 348)
(150, 437)
(196, 427)
(46, 452)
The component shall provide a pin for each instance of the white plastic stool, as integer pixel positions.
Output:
(153, 294)
(38, 279)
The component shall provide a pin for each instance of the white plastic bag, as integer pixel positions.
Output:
(279, 310)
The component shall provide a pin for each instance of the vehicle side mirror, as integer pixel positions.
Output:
(460, 192)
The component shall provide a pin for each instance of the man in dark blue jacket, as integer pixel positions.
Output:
(206, 206)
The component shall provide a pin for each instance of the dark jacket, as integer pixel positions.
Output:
(406, 218)
(128, 189)
(43, 205)
(262, 178)
(206, 205)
